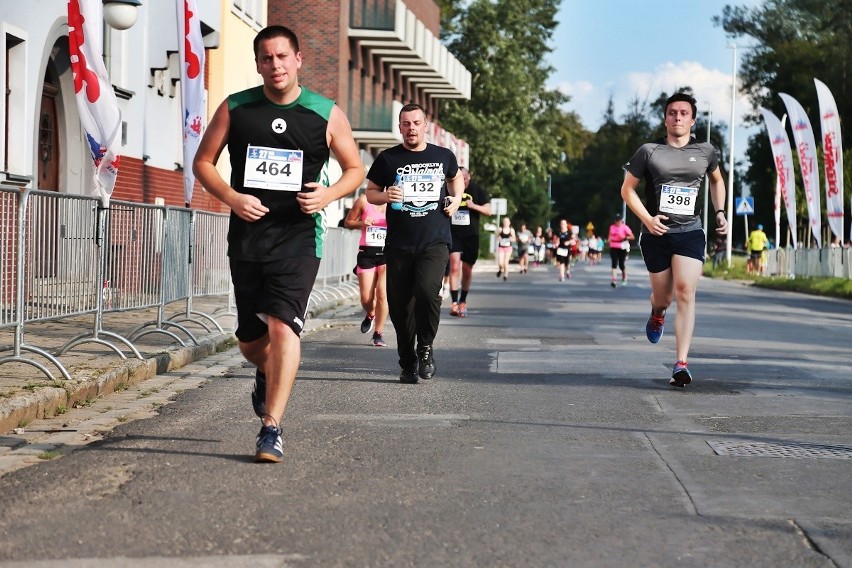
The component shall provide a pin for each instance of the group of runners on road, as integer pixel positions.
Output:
(420, 215)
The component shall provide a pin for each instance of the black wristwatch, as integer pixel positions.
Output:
(722, 211)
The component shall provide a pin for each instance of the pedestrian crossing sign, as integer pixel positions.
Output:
(745, 206)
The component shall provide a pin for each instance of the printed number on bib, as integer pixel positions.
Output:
(678, 200)
(417, 187)
(273, 168)
(461, 217)
(562, 251)
(375, 236)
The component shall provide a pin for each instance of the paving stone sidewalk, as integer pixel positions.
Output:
(28, 394)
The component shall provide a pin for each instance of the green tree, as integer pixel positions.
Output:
(791, 43)
(591, 188)
(515, 126)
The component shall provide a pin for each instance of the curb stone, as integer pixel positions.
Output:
(117, 374)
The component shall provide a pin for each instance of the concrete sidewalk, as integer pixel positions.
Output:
(27, 394)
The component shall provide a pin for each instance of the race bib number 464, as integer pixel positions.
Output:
(678, 200)
(273, 168)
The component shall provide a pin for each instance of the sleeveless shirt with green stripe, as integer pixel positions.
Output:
(284, 232)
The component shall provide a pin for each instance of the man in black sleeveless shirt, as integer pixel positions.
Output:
(278, 136)
(423, 185)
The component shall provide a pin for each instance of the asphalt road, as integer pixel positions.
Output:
(549, 437)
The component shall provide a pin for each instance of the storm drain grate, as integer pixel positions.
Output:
(788, 450)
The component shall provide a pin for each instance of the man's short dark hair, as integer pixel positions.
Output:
(270, 32)
(677, 97)
(411, 107)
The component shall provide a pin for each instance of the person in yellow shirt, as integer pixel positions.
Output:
(756, 244)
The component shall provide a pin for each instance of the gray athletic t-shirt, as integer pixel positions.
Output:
(674, 180)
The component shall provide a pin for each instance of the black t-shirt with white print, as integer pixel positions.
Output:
(421, 220)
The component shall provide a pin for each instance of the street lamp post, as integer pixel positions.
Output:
(730, 207)
(118, 15)
(706, 179)
(549, 197)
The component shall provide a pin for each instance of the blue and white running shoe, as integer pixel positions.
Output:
(270, 448)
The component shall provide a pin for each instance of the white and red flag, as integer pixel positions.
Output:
(832, 151)
(783, 157)
(803, 135)
(100, 115)
(191, 46)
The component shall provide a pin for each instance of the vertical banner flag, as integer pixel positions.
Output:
(832, 150)
(803, 135)
(191, 46)
(96, 102)
(783, 156)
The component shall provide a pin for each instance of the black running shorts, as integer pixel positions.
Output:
(657, 251)
(468, 246)
(370, 258)
(280, 289)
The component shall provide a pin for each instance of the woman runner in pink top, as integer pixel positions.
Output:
(620, 236)
(370, 268)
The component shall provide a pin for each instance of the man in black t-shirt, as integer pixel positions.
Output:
(423, 186)
(465, 249)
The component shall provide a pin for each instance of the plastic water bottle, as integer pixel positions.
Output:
(397, 205)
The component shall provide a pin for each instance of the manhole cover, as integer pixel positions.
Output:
(788, 450)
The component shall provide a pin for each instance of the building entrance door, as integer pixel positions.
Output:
(48, 141)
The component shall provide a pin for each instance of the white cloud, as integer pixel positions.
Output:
(575, 89)
(712, 87)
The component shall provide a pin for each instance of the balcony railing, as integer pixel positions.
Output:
(372, 14)
(371, 117)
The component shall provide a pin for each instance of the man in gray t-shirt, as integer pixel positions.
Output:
(672, 239)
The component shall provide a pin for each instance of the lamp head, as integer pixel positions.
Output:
(121, 14)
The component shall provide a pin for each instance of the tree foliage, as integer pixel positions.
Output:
(793, 42)
(590, 191)
(515, 126)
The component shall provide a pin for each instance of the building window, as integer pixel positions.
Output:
(15, 104)
(252, 12)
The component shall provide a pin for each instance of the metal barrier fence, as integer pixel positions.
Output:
(336, 279)
(824, 262)
(64, 255)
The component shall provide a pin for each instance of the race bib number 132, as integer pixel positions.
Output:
(420, 188)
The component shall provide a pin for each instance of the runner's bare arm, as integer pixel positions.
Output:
(353, 219)
(634, 202)
(246, 207)
(455, 188)
(717, 196)
(342, 144)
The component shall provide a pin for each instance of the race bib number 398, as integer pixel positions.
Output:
(678, 200)
(273, 168)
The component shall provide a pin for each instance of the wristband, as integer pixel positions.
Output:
(722, 211)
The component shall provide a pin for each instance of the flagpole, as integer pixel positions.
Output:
(707, 181)
(732, 127)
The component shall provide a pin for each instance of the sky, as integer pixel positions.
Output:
(638, 48)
